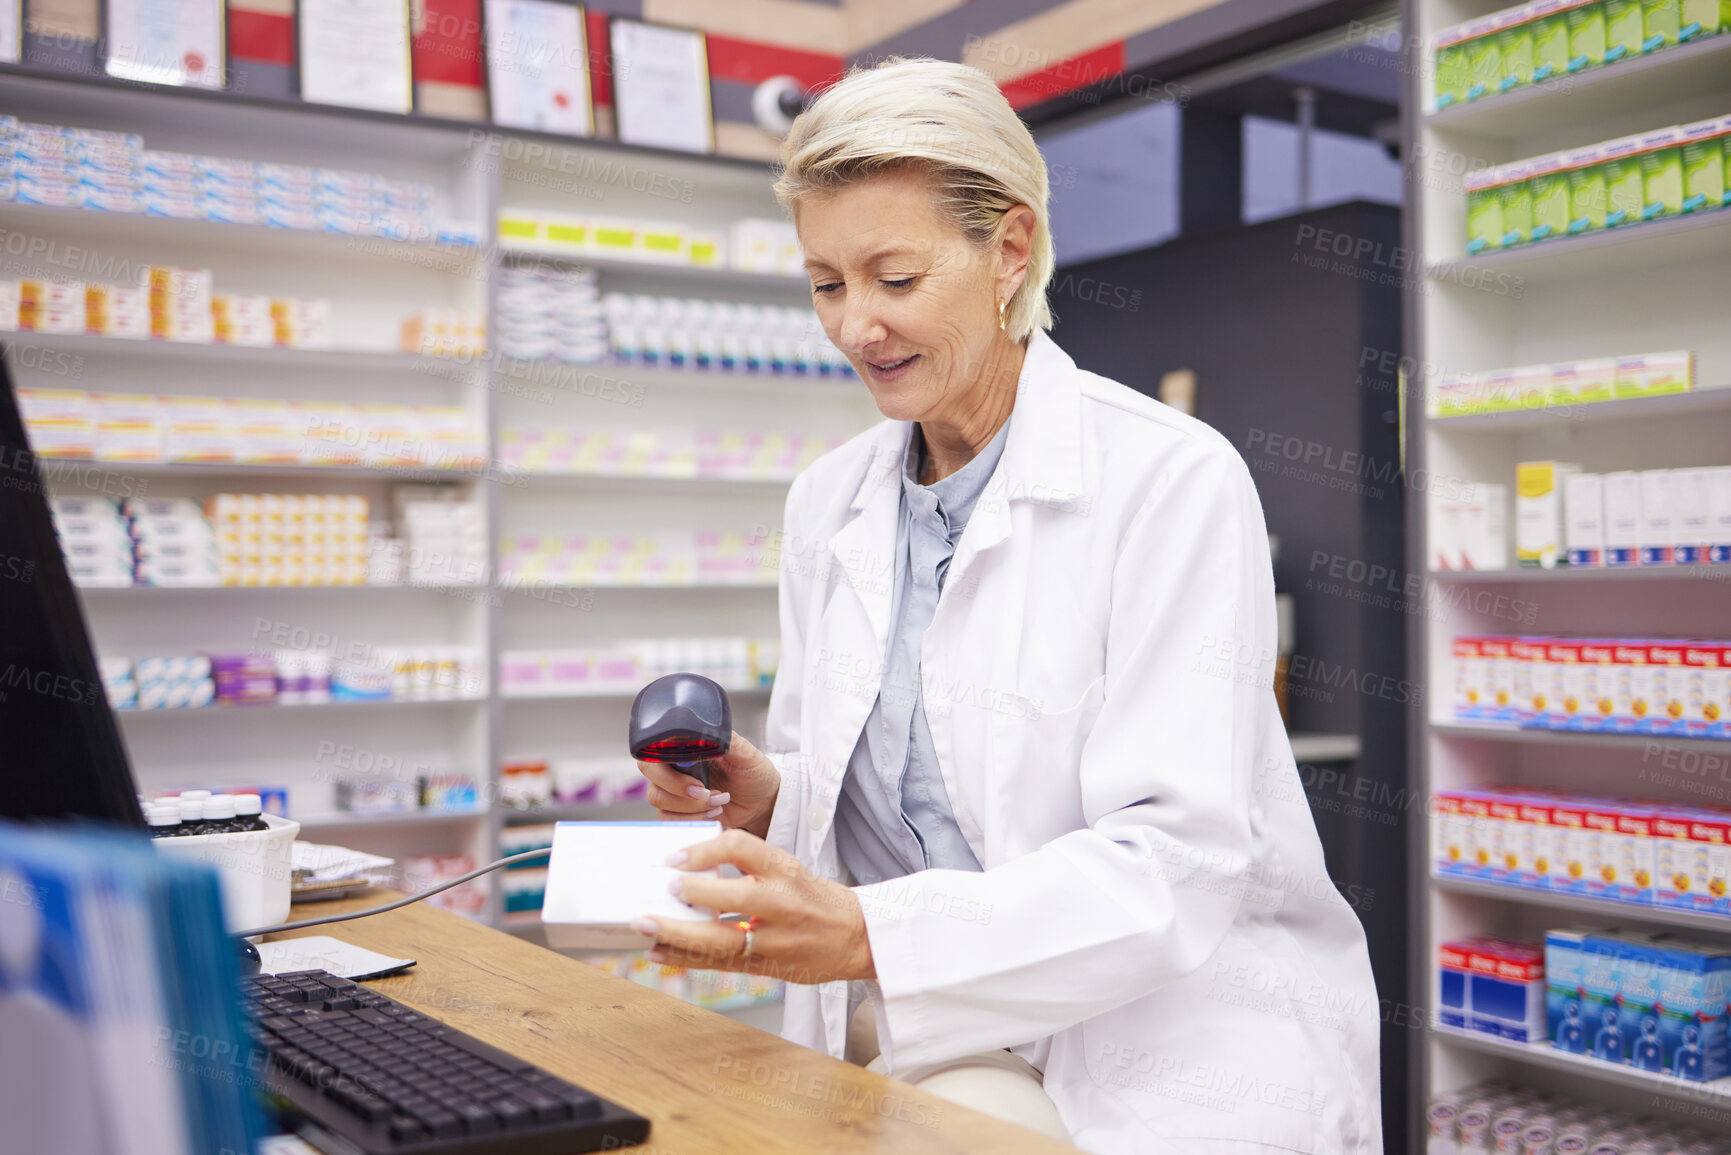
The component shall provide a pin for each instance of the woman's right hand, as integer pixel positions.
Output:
(743, 784)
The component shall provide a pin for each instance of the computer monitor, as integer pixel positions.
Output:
(61, 755)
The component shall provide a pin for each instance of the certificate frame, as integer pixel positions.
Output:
(513, 104)
(644, 77)
(332, 80)
(11, 31)
(176, 43)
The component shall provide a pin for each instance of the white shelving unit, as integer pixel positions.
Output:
(1640, 289)
(373, 284)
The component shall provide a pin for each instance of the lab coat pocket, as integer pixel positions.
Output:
(1035, 768)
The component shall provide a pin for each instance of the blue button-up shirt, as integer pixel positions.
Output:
(894, 815)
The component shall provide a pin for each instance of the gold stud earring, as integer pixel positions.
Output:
(1001, 306)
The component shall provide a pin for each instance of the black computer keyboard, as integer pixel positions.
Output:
(361, 1072)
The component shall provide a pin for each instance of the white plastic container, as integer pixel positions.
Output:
(255, 867)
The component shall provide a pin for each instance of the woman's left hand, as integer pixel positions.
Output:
(806, 929)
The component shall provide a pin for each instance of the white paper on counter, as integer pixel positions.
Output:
(322, 953)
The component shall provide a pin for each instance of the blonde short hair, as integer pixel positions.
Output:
(948, 121)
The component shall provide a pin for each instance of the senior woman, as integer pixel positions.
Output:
(1026, 788)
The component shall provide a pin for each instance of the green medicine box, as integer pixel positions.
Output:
(1484, 65)
(1625, 192)
(1625, 29)
(1586, 190)
(1515, 45)
(1699, 19)
(1704, 174)
(1484, 211)
(1661, 174)
(1704, 164)
(1551, 39)
(1661, 21)
(1515, 204)
(1452, 73)
(1548, 185)
(1586, 36)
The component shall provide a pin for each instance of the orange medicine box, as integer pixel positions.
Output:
(1693, 860)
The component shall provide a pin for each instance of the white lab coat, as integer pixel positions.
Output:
(1154, 927)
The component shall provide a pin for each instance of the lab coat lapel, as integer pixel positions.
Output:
(856, 618)
(1042, 463)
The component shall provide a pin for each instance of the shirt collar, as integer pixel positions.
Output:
(1042, 453)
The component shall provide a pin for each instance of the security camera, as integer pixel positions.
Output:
(776, 102)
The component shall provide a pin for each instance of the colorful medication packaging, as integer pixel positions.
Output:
(1707, 699)
(1586, 189)
(1484, 211)
(1550, 39)
(1693, 860)
(1622, 492)
(1694, 979)
(1625, 194)
(1702, 154)
(1623, 850)
(1640, 967)
(1658, 507)
(1584, 519)
(1539, 512)
(1625, 29)
(1493, 986)
(1661, 22)
(1600, 1013)
(1719, 515)
(1565, 989)
(1698, 19)
(1548, 189)
(1515, 48)
(1692, 514)
(1662, 167)
(1586, 35)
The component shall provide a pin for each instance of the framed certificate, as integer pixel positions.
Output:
(355, 53)
(166, 42)
(661, 86)
(11, 31)
(538, 66)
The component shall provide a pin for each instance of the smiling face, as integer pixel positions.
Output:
(909, 299)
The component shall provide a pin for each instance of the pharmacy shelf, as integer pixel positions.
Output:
(342, 821)
(1579, 738)
(693, 275)
(247, 469)
(1535, 303)
(672, 483)
(475, 176)
(543, 588)
(254, 709)
(453, 589)
(572, 812)
(1645, 246)
(1671, 405)
(1545, 1055)
(615, 690)
(30, 91)
(1584, 98)
(1312, 748)
(357, 360)
(1594, 574)
(530, 374)
(1605, 908)
(425, 256)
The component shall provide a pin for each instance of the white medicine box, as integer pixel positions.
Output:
(603, 876)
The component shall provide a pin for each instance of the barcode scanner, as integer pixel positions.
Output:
(682, 720)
